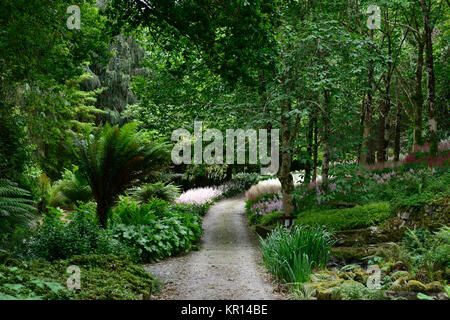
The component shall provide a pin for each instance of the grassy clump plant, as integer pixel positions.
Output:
(292, 254)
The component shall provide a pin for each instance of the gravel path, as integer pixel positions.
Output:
(226, 267)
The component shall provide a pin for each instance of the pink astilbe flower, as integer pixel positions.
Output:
(263, 208)
(199, 195)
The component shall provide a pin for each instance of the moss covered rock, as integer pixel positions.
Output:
(434, 287)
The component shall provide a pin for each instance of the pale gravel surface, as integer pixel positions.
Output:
(227, 266)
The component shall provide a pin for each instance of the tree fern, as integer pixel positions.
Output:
(114, 160)
(16, 207)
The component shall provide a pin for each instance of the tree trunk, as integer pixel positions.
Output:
(417, 97)
(285, 177)
(229, 174)
(397, 133)
(384, 110)
(102, 213)
(315, 149)
(326, 142)
(431, 90)
(366, 156)
(309, 139)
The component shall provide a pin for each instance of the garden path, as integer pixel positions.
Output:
(227, 266)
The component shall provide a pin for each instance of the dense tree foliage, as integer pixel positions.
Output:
(338, 89)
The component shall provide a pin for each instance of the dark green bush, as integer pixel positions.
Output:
(270, 218)
(103, 277)
(176, 231)
(240, 183)
(128, 211)
(58, 239)
(339, 219)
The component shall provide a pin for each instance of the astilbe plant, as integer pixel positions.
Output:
(263, 208)
(199, 196)
(271, 186)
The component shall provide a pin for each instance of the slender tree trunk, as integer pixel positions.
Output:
(229, 174)
(285, 177)
(397, 133)
(366, 156)
(431, 90)
(326, 142)
(315, 149)
(309, 139)
(102, 213)
(417, 97)
(384, 111)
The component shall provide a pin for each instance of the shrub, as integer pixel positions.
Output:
(128, 211)
(103, 277)
(202, 175)
(270, 218)
(240, 183)
(175, 231)
(262, 208)
(159, 190)
(291, 254)
(339, 219)
(59, 239)
(73, 187)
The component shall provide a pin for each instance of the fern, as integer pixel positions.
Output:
(167, 192)
(72, 187)
(114, 160)
(16, 207)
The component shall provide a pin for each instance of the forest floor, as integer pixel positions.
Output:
(226, 267)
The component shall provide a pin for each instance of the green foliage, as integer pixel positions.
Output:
(240, 183)
(338, 219)
(72, 188)
(128, 211)
(270, 218)
(59, 239)
(198, 209)
(414, 188)
(203, 175)
(424, 254)
(103, 277)
(236, 27)
(16, 206)
(172, 232)
(113, 160)
(166, 192)
(352, 185)
(14, 152)
(291, 254)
